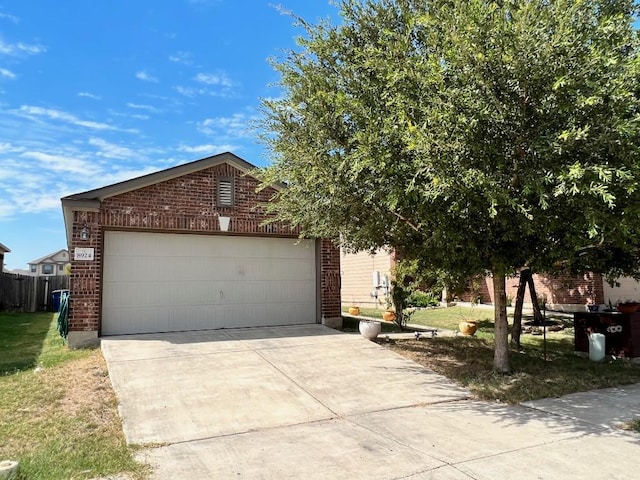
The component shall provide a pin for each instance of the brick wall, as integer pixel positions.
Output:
(559, 290)
(181, 205)
(330, 279)
(84, 281)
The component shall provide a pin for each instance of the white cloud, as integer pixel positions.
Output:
(183, 58)
(28, 201)
(110, 150)
(9, 148)
(61, 163)
(66, 117)
(7, 73)
(6, 209)
(194, 92)
(89, 95)
(16, 49)
(143, 75)
(236, 125)
(148, 108)
(11, 18)
(214, 79)
(49, 153)
(186, 91)
(207, 149)
(35, 180)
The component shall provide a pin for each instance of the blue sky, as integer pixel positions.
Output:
(96, 92)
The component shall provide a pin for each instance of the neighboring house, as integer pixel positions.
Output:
(49, 265)
(365, 278)
(360, 272)
(186, 249)
(3, 250)
(569, 293)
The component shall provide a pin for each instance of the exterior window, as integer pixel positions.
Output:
(47, 269)
(33, 269)
(226, 197)
(60, 267)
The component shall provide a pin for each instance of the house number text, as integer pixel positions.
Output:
(83, 254)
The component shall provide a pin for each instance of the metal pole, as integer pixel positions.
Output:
(544, 333)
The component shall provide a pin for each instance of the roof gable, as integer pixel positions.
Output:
(4, 249)
(61, 256)
(91, 199)
(100, 194)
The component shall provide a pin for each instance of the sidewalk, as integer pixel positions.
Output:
(605, 408)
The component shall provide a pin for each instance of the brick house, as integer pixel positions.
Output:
(186, 249)
(363, 277)
(566, 293)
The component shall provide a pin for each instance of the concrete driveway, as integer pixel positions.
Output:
(311, 402)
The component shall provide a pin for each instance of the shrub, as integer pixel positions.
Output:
(418, 298)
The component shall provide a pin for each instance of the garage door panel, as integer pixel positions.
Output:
(132, 294)
(269, 268)
(138, 319)
(192, 293)
(195, 317)
(132, 268)
(170, 282)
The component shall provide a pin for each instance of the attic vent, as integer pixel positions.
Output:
(225, 192)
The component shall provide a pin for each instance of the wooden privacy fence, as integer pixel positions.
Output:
(24, 293)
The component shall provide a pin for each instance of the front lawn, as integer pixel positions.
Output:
(469, 360)
(447, 318)
(58, 410)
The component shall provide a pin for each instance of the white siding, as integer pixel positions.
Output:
(629, 289)
(356, 271)
(158, 282)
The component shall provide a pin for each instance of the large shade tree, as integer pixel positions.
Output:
(477, 136)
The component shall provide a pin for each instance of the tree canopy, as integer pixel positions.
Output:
(478, 136)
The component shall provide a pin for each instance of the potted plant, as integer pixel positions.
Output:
(354, 309)
(468, 327)
(388, 314)
(369, 328)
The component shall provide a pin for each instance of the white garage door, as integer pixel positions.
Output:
(159, 282)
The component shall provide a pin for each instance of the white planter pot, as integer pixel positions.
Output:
(369, 329)
(9, 469)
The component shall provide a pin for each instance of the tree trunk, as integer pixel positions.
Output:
(501, 325)
(537, 314)
(517, 313)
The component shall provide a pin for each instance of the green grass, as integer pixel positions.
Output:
(58, 410)
(23, 336)
(633, 425)
(469, 360)
(447, 318)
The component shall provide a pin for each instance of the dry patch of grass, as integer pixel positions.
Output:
(469, 362)
(633, 425)
(60, 420)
